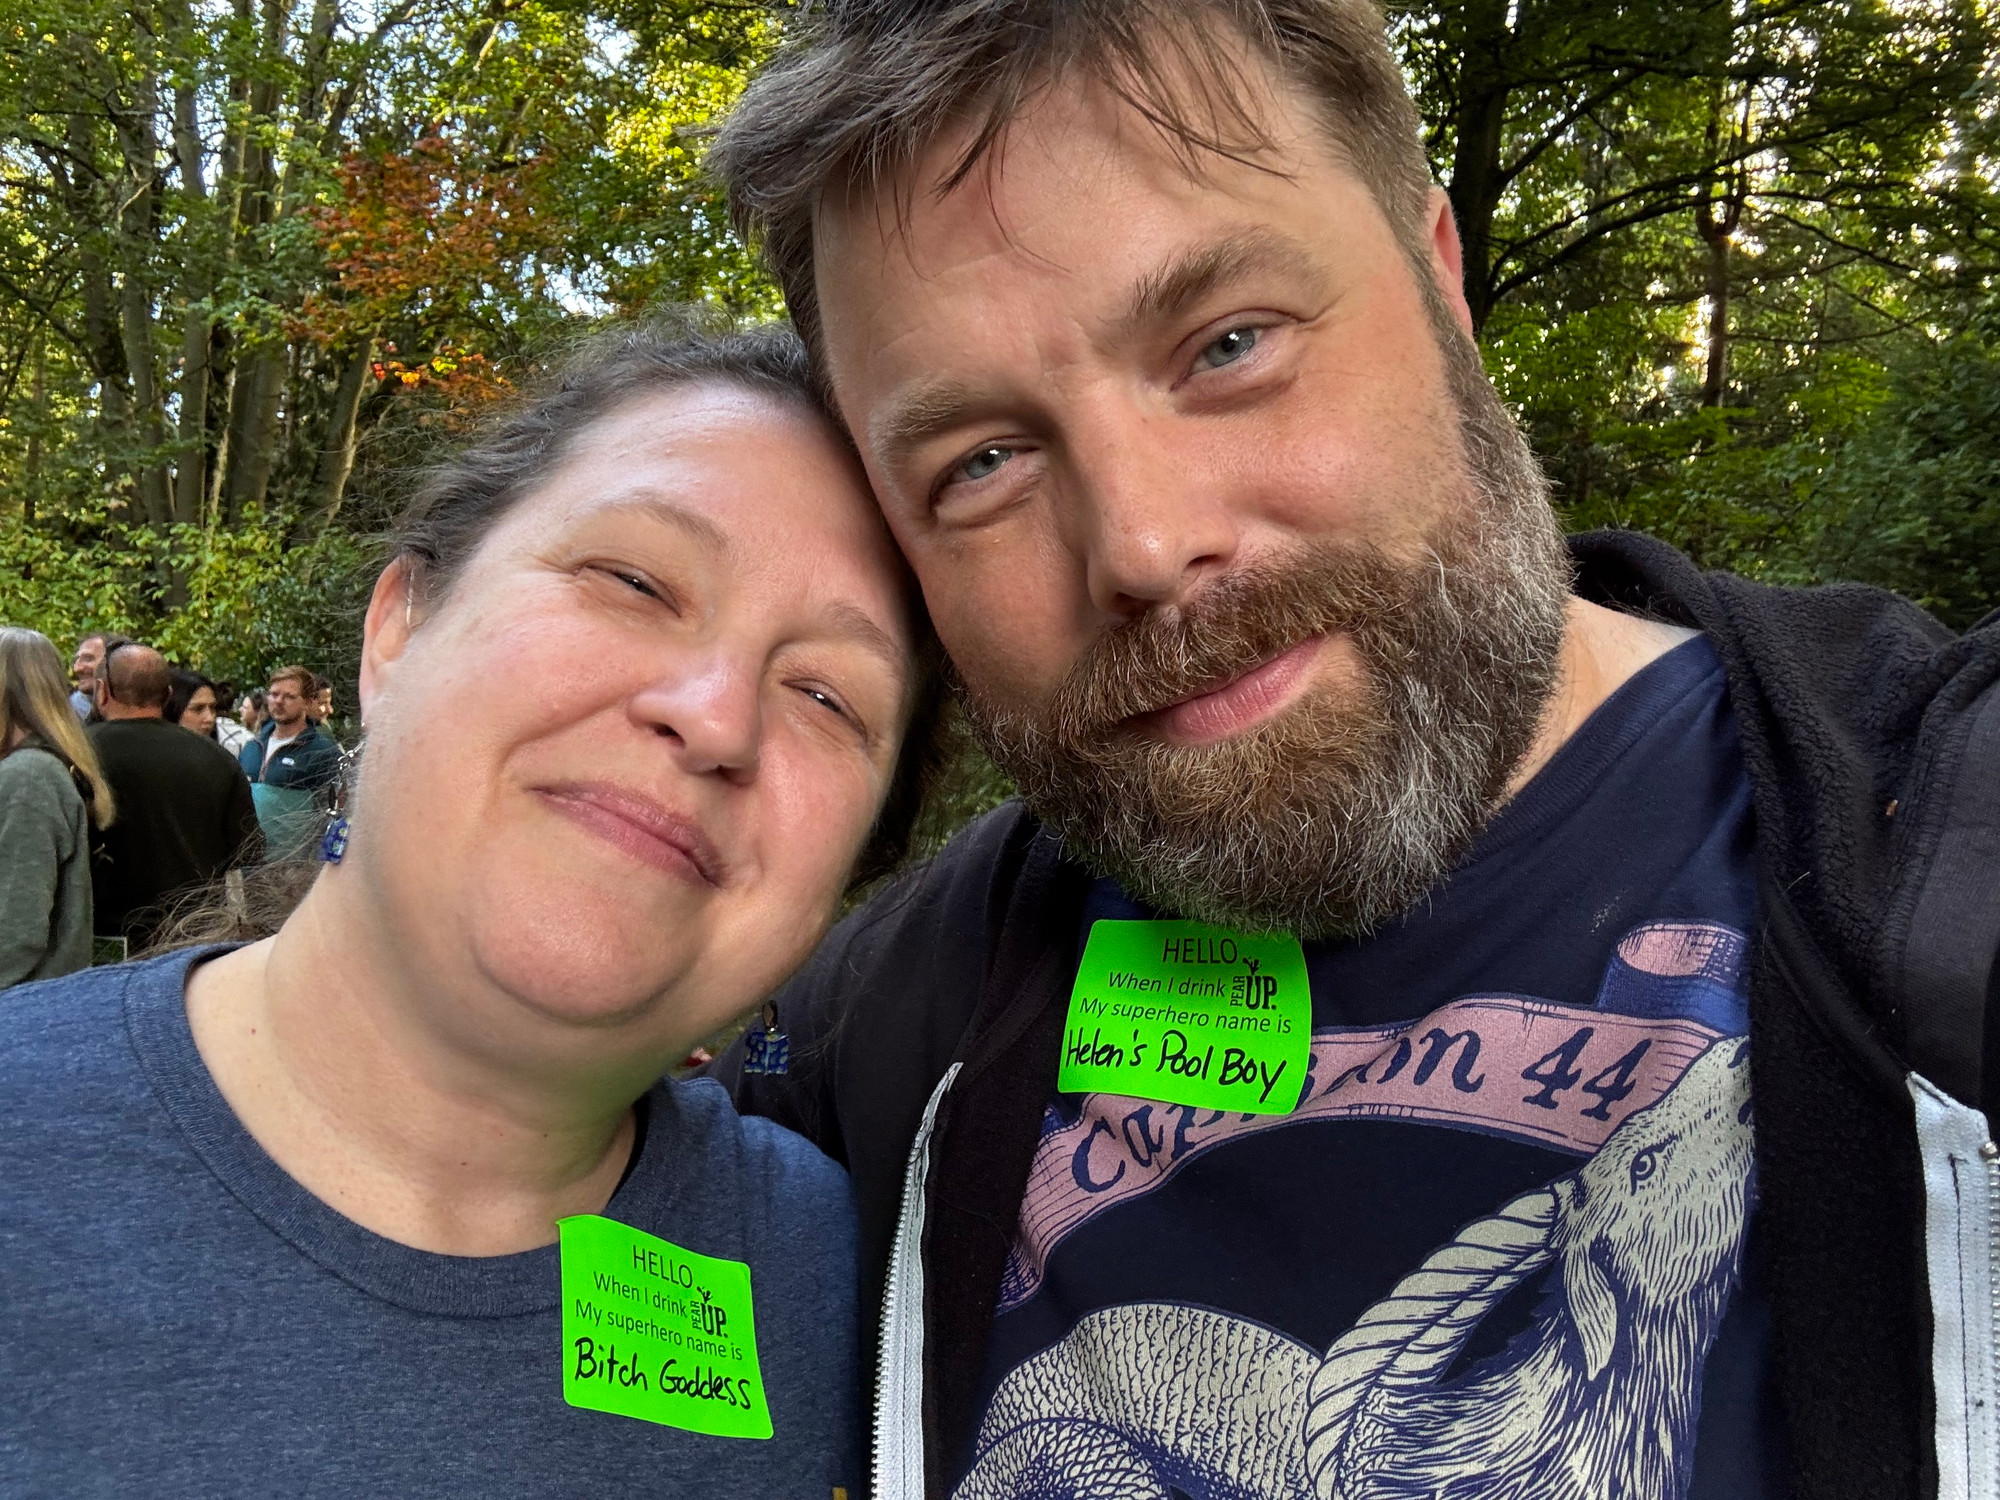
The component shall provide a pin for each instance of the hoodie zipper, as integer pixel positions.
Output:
(899, 1370)
(1989, 1157)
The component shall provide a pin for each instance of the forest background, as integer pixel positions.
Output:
(1734, 262)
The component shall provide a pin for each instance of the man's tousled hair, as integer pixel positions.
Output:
(863, 88)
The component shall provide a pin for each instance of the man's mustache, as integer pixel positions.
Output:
(1230, 627)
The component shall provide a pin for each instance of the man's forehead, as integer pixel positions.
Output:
(1070, 240)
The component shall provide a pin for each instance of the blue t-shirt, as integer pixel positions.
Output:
(1499, 1247)
(179, 1317)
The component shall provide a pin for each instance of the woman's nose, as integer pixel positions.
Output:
(711, 715)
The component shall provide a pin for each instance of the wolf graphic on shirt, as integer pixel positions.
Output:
(1598, 1398)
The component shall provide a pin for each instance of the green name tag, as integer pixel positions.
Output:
(659, 1333)
(1189, 1014)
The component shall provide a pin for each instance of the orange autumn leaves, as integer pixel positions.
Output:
(418, 244)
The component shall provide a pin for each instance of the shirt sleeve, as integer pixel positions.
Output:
(32, 832)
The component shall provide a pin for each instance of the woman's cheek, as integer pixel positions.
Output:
(821, 816)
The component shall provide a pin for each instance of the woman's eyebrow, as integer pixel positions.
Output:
(851, 623)
(660, 506)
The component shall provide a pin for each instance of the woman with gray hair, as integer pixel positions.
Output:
(395, 1201)
(50, 793)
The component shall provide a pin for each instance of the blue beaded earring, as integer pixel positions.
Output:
(767, 1050)
(333, 845)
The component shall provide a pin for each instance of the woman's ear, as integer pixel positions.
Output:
(392, 619)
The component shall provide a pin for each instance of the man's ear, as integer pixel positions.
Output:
(386, 632)
(1447, 259)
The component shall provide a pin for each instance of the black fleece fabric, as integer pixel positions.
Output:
(1864, 723)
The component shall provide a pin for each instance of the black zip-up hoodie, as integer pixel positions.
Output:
(925, 1033)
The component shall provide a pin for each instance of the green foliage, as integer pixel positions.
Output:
(1733, 263)
(251, 602)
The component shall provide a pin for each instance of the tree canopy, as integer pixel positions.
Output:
(1732, 261)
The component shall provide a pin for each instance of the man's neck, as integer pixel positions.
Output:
(1602, 649)
(112, 710)
(317, 1040)
(287, 731)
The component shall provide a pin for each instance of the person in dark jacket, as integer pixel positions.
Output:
(1336, 1078)
(184, 810)
(293, 765)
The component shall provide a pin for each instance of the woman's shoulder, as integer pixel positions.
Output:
(31, 771)
(64, 1051)
(704, 1105)
(764, 1162)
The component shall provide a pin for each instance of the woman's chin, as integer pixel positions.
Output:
(586, 969)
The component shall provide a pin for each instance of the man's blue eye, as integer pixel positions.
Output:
(1231, 347)
(983, 463)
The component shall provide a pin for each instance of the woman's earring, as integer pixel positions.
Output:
(767, 1050)
(333, 847)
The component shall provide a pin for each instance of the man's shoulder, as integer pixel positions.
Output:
(1840, 624)
(957, 896)
(197, 755)
(1830, 665)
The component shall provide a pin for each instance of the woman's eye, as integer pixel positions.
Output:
(638, 583)
(826, 700)
(981, 464)
(1229, 348)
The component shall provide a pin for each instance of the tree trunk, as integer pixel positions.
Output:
(336, 459)
(1477, 181)
(102, 348)
(191, 470)
(138, 223)
(258, 380)
(253, 428)
(40, 397)
(1716, 218)
(1715, 383)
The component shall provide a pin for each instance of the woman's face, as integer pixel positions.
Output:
(623, 768)
(199, 715)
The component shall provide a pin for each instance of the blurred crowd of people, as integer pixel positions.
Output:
(130, 783)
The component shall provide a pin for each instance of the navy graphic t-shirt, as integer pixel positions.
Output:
(1499, 1248)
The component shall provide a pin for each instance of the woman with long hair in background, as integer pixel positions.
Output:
(51, 792)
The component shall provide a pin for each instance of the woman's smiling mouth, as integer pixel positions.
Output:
(641, 828)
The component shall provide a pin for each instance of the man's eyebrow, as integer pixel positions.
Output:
(1171, 289)
(916, 414)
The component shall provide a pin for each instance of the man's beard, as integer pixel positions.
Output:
(1350, 804)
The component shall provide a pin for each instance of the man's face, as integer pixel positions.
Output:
(285, 704)
(89, 655)
(1224, 539)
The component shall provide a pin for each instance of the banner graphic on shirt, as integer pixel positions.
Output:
(1639, 1247)
(1561, 1076)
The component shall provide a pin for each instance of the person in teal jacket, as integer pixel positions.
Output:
(293, 764)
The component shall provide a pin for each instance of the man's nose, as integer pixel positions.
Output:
(710, 712)
(1148, 524)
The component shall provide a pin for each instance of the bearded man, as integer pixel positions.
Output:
(1334, 1076)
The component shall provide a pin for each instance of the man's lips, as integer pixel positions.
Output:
(640, 827)
(1237, 704)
